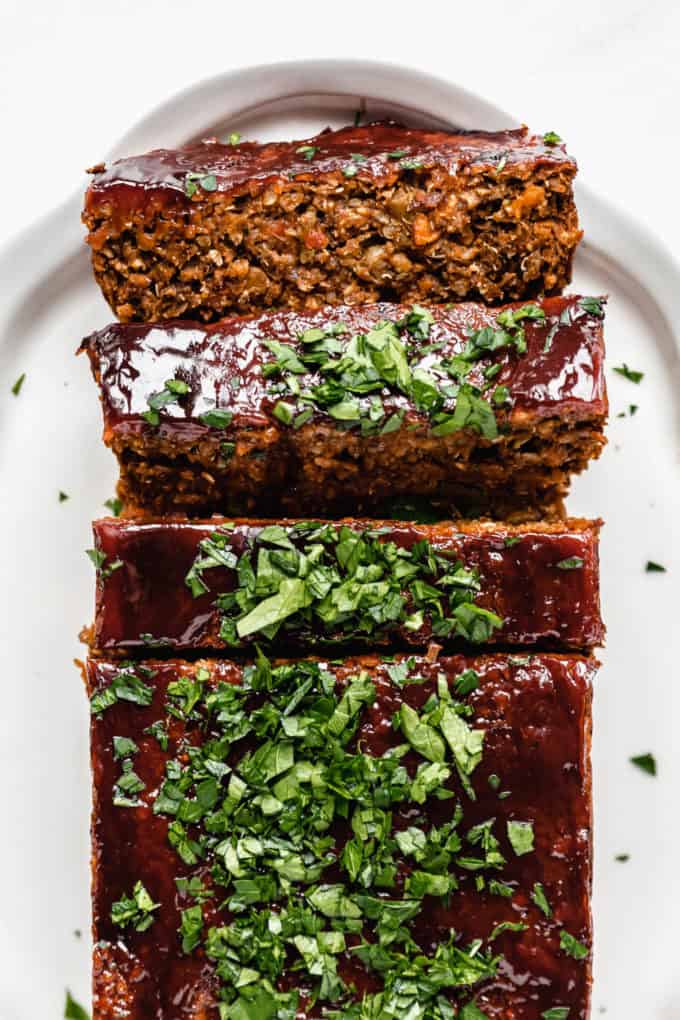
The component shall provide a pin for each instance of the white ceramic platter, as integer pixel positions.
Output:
(50, 441)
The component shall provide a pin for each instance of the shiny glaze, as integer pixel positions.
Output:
(222, 364)
(540, 603)
(248, 167)
(536, 718)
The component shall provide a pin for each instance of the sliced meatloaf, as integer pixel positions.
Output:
(349, 409)
(190, 585)
(358, 839)
(363, 214)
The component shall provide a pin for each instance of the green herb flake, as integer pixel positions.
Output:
(63, 496)
(654, 568)
(628, 373)
(234, 137)
(137, 909)
(556, 1013)
(521, 836)
(622, 858)
(115, 505)
(570, 563)
(645, 762)
(16, 388)
(216, 418)
(551, 138)
(73, 1010)
(308, 151)
(540, 899)
(193, 180)
(572, 946)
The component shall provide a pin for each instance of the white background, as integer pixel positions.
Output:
(74, 76)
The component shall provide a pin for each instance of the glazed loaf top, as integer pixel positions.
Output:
(378, 151)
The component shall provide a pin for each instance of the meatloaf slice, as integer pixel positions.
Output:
(190, 585)
(363, 214)
(365, 839)
(346, 410)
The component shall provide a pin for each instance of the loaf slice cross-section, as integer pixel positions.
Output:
(377, 212)
(349, 410)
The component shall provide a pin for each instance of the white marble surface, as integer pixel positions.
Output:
(605, 75)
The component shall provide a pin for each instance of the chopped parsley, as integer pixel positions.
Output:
(193, 180)
(593, 306)
(170, 394)
(556, 1013)
(115, 505)
(654, 568)
(629, 373)
(308, 151)
(622, 858)
(348, 377)
(551, 138)
(645, 762)
(125, 686)
(521, 836)
(540, 899)
(73, 1010)
(216, 418)
(63, 496)
(256, 803)
(103, 568)
(570, 563)
(16, 388)
(234, 137)
(572, 946)
(336, 583)
(137, 909)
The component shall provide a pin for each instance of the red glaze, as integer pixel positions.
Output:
(222, 364)
(248, 167)
(536, 718)
(540, 603)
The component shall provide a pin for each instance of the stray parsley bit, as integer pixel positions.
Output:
(308, 151)
(556, 1013)
(645, 762)
(622, 858)
(192, 181)
(115, 505)
(629, 373)
(570, 563)
(572, 946)
(216, 418)
(654, 568)
(592, 305)
(170, 394)
(539, 898)
(125, 686)
(73, 1010)
(16, 388)
(234, 137)
(136, 909)
(551, 138)
(63, 496)
(521, 836)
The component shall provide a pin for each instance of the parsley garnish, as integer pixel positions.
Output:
(622, 858)
(645, 762)
(593, 306)
(125, 686)
(629, 373)
(63, 496)
(193, 180)
(572, 946)
(308, 151)
(16, 388)
(539, 898)
(136, 910)
(99, 559)
(234, 137)
(551, 138)
(654, 568)
(521, 836)
(338, 583)
(170, 394)
(570, 563)
(556, 1013)
(115, 505)
(73, 1010)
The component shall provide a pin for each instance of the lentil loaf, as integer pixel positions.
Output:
(349, 409)
(185, 586)
(357, 215)
(371, 838)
